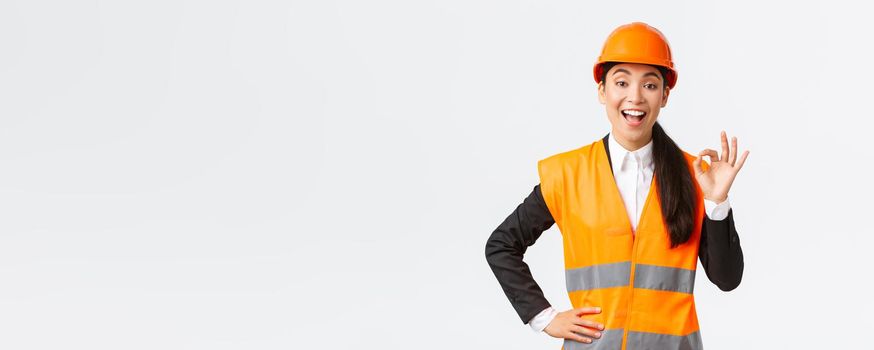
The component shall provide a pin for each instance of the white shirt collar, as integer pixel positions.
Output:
(619, 156)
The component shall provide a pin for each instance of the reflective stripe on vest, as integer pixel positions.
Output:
(642, 340)
(598, 276)
(643, 286)
(670, 279)
(612, 340)
(618, 275)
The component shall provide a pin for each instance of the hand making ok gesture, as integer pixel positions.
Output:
(716, 181)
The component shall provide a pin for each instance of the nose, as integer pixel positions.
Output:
(635, 96)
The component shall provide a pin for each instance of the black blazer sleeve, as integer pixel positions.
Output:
(720, 252)
(505, 248)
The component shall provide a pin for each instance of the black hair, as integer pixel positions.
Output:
(677, 192)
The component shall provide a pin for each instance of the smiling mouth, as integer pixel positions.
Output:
(633, 117)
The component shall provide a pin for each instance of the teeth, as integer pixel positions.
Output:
(633, 113)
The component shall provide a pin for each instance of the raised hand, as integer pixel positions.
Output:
(716, 181)
(569, 325)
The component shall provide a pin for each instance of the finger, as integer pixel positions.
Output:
(733, 155)
(576, 337)
(743, 158)
(725, 150)
(591, 333)
(588, 323)
(714, 157)
(587, 310)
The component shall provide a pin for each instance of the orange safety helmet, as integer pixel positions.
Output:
(637, 42)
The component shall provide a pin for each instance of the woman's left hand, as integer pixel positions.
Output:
(716, 181)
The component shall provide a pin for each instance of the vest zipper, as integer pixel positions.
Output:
(628, 316)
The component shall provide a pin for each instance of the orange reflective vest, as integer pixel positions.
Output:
(643, 286)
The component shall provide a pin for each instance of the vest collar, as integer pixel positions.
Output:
(608, 149)
(615, 151)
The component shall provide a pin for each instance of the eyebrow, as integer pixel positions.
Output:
(621, 70)
(653, 74)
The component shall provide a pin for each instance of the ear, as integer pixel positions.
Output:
(665, 96)
(602, 95)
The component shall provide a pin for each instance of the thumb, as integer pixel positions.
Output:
(697, 165)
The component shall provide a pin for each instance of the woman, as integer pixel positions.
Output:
(635, 213)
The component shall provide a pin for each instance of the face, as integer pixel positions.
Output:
(633, 94)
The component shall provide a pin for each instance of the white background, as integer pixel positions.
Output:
(325, 174)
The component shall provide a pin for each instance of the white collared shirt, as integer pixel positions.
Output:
(632, 171)
(633, 174)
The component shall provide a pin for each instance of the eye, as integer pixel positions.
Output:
(650, 86)
(621, 83)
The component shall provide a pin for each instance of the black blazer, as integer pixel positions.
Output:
(719, 251)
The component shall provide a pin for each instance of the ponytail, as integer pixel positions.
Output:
(676, 190)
